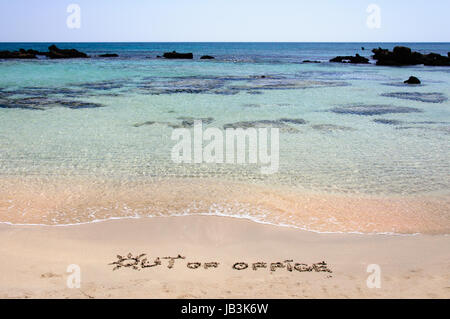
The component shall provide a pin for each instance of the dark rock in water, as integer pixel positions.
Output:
(444, 129)
(404, 56)
(15, 104)
(207, 57)
(176, 55)
(254, 92)
(227, 85)
(373, 109)
(31, 51)
(189, 121)
(43, 102)
(399, 56)
(226, 92)
(429, 122)
(434, 59)
(102, 85)
(169, 124)
(79, 105)
(144, 123)
(331, 127)
(397, 122)
(412, 80)
(417, 96)
(46, 91)
(363, 48)
(54, 53)
(249, 124)
(388, 122)
(22, 103)
(357, 59)
(309, 61)
(293, 121)
(19, 106)
(36, 101)
(28, 103)
(57, 53)
(400, 84)
(287, 84)
(17, 55)
(109, 55)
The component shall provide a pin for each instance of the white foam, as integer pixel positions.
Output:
(217, 214)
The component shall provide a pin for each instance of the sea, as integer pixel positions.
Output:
(88, 140)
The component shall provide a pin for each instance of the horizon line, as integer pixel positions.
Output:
(224, 41)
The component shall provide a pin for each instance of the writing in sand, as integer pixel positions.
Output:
(141, 261)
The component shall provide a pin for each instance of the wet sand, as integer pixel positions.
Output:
(35, 260)
(68, 201)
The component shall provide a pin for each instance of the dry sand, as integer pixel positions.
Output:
(35, 260)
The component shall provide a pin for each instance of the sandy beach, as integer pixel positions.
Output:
(225, 150)
(35, 261)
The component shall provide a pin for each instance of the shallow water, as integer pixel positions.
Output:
(109, 122)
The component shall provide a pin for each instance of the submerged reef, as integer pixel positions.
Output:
(417, 96)
(373, 109)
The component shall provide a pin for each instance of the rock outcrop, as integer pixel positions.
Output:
(176, 55)
(54, 53)
(357, 59)
(412, 80)
(21, 54)
(401, 56)
(57, 53)
(207, 57)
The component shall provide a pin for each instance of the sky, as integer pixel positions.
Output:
(226, 21)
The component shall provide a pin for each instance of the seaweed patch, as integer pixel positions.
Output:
(228, 85)
(331, 127)
(417, 96)
(388, 121)
(186, 122)
(280, 123)
(41, 103)
(374, 109)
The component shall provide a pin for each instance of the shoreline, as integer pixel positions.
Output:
(248, 219)
(76, 202)
(37, 258)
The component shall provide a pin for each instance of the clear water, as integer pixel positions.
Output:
(336, 152)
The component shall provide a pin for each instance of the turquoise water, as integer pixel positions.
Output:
(80, 118)
(354, 154)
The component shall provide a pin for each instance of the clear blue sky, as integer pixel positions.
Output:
(224, 20)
